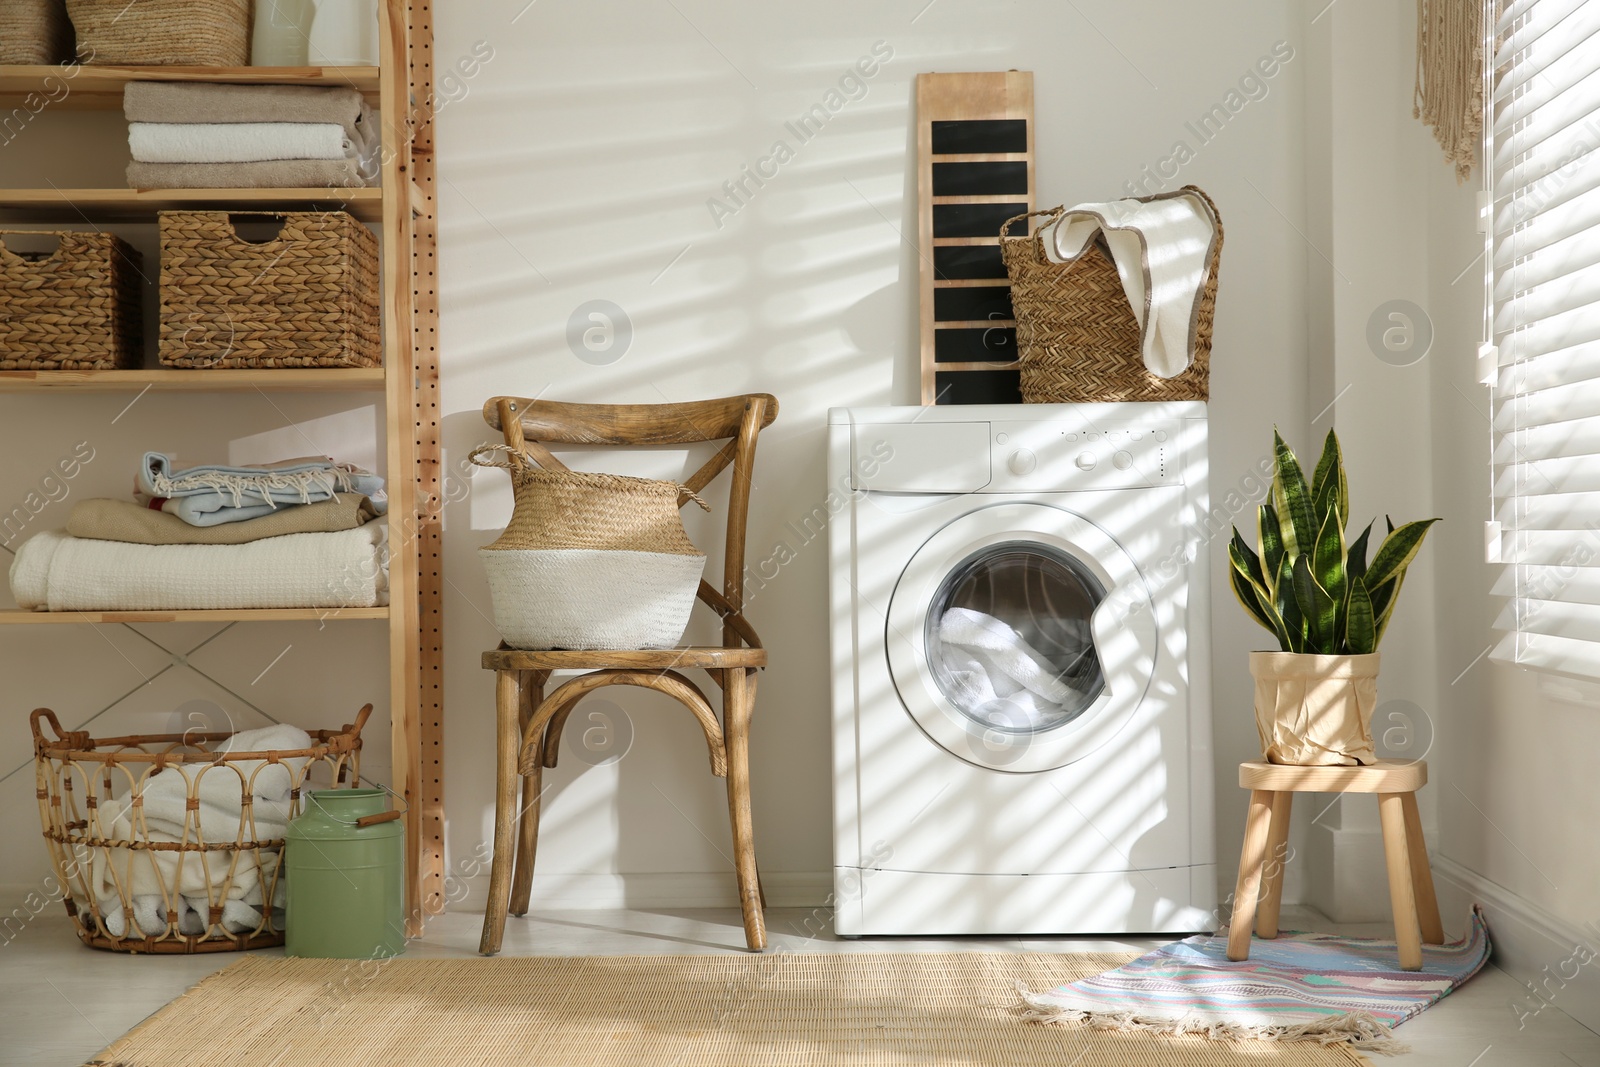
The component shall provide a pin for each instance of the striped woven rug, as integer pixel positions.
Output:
(777, 1010)
(1297, 987)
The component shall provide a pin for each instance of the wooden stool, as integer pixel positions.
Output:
(1266, 830)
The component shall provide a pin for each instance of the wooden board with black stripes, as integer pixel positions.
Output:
(974, 171)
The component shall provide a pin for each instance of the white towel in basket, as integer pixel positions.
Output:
(153, 880)
(1162, 249)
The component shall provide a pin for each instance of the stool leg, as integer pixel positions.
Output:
(1422, 875)
(507, 742)
(1257, 824)
(1402, 900)
(1272, 876)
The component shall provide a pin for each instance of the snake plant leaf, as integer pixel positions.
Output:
(1382, 615)
(1319, 609)
(1245, 559)
(1397, 552)
(1355, 564)
(1294, 622)
(1270, 534)
(1250, 595)
(1390, 523)
(1292, 499)
(1330, 492)
(1327, 562)
(1360, 632)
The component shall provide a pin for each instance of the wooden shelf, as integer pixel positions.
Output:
(92, 205)
(96, 88)
(26, 618)
(222, 380)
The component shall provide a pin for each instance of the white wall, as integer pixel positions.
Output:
(578, 166)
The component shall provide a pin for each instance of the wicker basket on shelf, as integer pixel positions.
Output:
(305, 298)
(198, 33)
(74, 308)
(34, 32)
(1077, 338)
(131, 886)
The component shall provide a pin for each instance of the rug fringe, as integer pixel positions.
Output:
(1361, 1030)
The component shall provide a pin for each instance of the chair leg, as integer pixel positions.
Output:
(1402, 899)
(531, 693)
(1421, 875)
(1272, 876)
(1256, 828)
(737, 707)
(507, 744)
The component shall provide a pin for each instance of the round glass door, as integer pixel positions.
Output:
(1009, 638)
(1020, 637)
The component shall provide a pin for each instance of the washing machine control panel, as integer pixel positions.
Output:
(993, 456)
(1056, 456)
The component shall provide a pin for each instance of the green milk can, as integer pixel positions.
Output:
(345, 860)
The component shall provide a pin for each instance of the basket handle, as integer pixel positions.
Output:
(54, 258)
(1054, 212)
(70, 738)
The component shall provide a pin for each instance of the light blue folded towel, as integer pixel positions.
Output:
(214, 494)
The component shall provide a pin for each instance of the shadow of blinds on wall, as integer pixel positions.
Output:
(1542, 158)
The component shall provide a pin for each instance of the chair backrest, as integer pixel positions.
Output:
(529, 424)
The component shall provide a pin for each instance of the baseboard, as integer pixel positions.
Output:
(1557, 961)
(709, 889)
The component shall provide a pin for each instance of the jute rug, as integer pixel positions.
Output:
(774, 1010)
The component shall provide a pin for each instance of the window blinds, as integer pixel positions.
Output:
(1542, 158)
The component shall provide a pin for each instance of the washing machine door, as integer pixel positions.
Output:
(1021, 637)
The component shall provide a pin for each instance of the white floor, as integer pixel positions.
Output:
(61, 1002)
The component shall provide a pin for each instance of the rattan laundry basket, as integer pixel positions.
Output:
(75, 308)
(590, 560)
(197, 33)
(130, 887)
(1077, 338)
(34, 32)
(306, 298)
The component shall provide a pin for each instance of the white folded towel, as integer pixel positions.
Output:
(1161, 248)
(238, 142)
(348, 568)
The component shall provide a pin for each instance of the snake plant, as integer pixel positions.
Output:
(1313, 590)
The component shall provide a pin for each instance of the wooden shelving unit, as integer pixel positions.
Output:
(225, 380)
(77, 205)
(30, 618)
(401, 86)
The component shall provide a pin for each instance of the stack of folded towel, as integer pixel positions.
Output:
(202, 135)
(295, 534)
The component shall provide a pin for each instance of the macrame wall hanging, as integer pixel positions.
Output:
(1449, 90)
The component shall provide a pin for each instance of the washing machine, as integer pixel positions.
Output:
(1021, 694)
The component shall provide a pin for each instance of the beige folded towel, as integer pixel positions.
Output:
(122, 520)
(213, 102)
(271, 174)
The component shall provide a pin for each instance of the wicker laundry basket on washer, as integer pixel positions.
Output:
(596, 561)
(1077, 338)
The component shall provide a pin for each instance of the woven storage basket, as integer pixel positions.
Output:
(307, 298)
(1077, 338)
(198, 33)
(590, 560)
(131, 888)
(76, 308)
(34, 32)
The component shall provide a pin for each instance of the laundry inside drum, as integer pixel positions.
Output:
(1009, 638)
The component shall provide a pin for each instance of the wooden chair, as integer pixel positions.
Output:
(1272, 788)
(530, 723)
